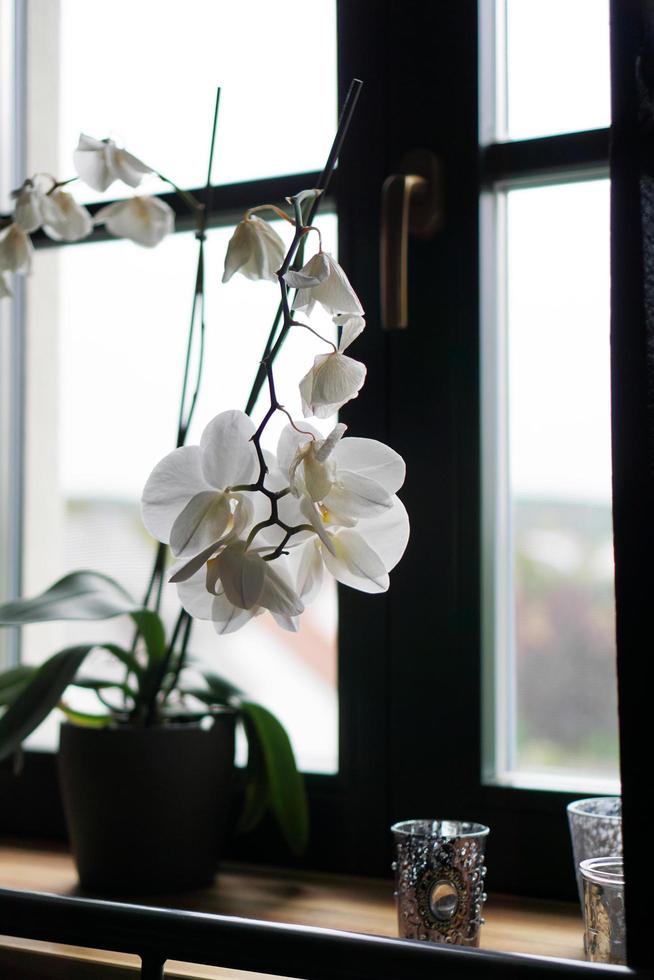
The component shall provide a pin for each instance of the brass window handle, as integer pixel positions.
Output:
(411, 202)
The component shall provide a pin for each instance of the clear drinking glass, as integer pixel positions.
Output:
(439, 880)
(604, 921)
(595, 831)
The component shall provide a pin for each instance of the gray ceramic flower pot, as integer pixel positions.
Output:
(147, 809)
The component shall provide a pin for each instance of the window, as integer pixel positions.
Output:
(409, 662)
(551, 705)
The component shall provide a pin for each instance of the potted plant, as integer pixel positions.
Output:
(250, 532)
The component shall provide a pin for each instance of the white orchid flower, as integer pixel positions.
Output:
(5, 291)
(361, 556)
(100, 162)
(323, 281)
(27, 209)
(236, 586)
(334, 378)
(341, 480)
(144, 220)
(15, 250)
(63, 218)
(255, 250)
(188, 502)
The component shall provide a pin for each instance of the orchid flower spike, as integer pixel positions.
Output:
(100, 162)
(334, 378)
(144, 220)
(323, 281)
(15, 250)
(255, 250)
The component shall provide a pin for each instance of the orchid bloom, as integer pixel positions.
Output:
(27, 209)
(236, 586)
(15, 250)
(63, 218)
(334, 378)
(100, 162)
(255, 250)
(323, 281)
(188, 501)
(144, 220)
(347, 492)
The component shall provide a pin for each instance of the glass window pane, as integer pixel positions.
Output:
(107, 331)
(146, 74)
(559, 480)
(557, 66)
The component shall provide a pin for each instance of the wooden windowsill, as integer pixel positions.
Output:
(313, 899)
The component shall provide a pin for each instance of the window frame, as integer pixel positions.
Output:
(425, 401)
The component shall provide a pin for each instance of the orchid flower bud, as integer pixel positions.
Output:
(255, 250)
(100, 162)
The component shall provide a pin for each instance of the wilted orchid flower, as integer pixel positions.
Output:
(236, 586)
(334, 378)
(188, 502)
(63, 218)
(15, 250)
(5, 291)
(100, 162)
(144, 220)
(323, 281)
(27, 209)
(255, 250)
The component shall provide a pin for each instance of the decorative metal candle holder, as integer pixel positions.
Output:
(439, 880)
(595, 831)
(604, 921)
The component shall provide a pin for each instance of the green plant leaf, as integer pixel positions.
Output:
(83, 718)
(125, 657)
(12, 683)
(40, 696)
(80, 595)
(222, 690)
(255, 794)
(95, 684)
(152, 630)
(285, 785)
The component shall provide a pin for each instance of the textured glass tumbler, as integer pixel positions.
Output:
(439, 880)
(604, 923)
(595, 831)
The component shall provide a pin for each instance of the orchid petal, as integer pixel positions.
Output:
(193, 596)
(183, 571)
(91, 163)
(126, 166)
(290, 623)
(314, 517)
(255, 250)
(228, 618)
(204, 519)
(388, 533)
(228, 456)
(27, 210)
(64, 219)
(354, 563)
(334, 292)
(170, 486)
(335, 380)
(143, 220)
(354, 495)
(290, 441)
(314, 272)
(5, 291)
(15, 250)
(243, 575)
(310, 572)
(278, 595)
(373, 459)
(352, 326)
